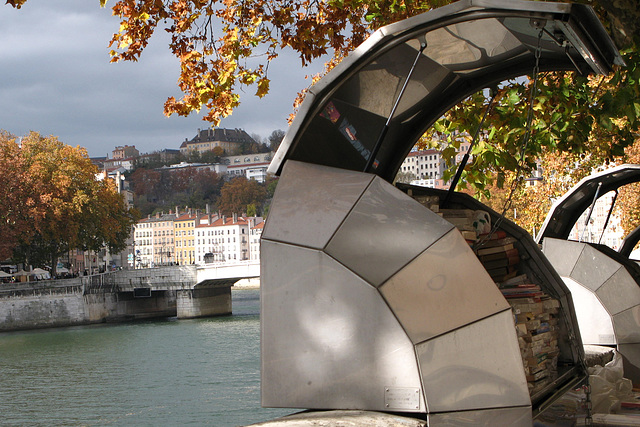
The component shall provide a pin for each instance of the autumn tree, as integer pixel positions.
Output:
(628, 202)
(528, 205)
(20, 207)
(156, 190)
(146, 182)
(238, 194)
(275, 138)
(72, 208)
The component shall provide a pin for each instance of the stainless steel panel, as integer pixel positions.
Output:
(562, 254)
(507, 417)
(627, 326)
(444, 288)
(311, 201)
(384, 232)
(328, 338)
(451, 48)
(593, 268)
(596, 324)
(477, 366)
(620, 292)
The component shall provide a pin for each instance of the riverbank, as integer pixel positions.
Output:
(101, 299)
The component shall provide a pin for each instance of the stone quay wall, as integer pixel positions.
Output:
(45, 304)
(103, 298)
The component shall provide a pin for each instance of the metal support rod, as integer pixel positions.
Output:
(606, 222)
(385, 129)
(593, 204)
(465, 159)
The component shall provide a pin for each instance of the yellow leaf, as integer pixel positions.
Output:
(263, 87)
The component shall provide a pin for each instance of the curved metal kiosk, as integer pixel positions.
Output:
(369, 300)
(605, 284)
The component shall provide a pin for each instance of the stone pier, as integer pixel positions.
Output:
(203, 302)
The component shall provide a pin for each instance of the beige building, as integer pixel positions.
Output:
(163, 240)
(230, 140)
(184, 238)
(154, 240)
(125, 152)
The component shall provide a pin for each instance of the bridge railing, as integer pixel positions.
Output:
(41, 287)
(99, 283)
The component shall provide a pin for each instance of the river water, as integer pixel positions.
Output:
(203, 372)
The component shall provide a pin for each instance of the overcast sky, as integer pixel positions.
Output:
(57, 80)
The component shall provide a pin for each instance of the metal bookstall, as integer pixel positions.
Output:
(370, 300)
(604, 283)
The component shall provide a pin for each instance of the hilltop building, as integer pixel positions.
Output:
(125, 152)
(216, 167)
(252, 166)
(230, 140)
(165, 155)
(127, 164)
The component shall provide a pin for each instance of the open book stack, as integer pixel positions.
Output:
(499, 255)
(536, 319)
(463, 220)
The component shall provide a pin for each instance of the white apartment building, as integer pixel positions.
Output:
(427, 165)
(251, 166)
(424, 164)
(143, 243)
(254, 241)
(224, 239)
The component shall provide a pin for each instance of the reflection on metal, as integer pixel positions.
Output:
(512, 417)
(369, 300)
(328, 338)
(478, 366)
(381, 308)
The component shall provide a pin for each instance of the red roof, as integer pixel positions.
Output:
(186, 217)
(229, 221)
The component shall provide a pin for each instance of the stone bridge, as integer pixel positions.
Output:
(182, 291)
(176, 277)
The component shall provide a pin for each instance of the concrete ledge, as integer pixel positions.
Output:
(343, 419)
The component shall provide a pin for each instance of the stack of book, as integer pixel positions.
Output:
(536, 320)
(462, 219)
(499, 255)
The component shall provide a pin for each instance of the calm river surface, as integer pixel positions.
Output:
(203, 372)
